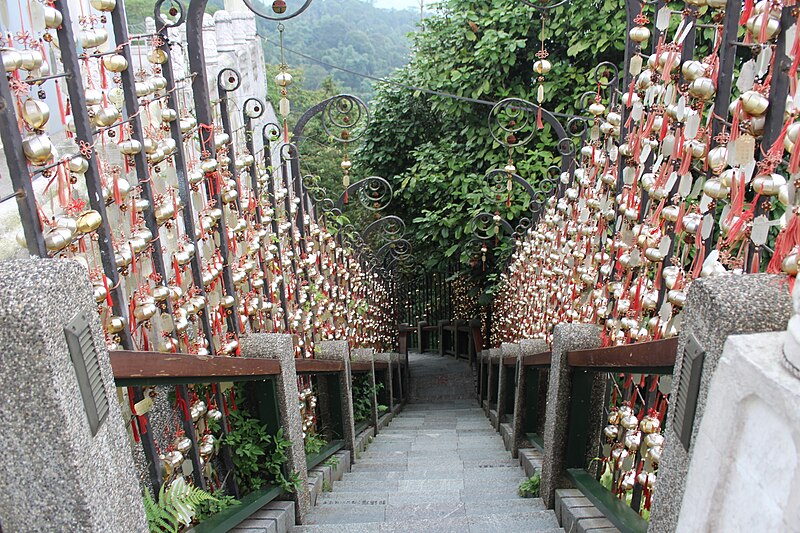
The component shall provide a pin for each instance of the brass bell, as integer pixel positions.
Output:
(115, 63)
(35, 113)
(38, 148)
(12, 59)
(104, 5)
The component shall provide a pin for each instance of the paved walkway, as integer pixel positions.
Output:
(438, 467)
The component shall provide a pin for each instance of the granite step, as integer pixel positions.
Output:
(438, 467)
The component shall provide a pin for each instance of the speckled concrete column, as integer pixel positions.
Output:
(367, 355)
(340, 351)
(566, 338)
(279, 346)
(507, 349)
(526, 347)
(715, 308)
(56, 475)
(388, 384)
(494, 355)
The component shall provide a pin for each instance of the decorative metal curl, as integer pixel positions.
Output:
(398, 248)
(344, 113)
(263, 11)
(390, 227)
(496, 185)
(253, 108)
(178, 18)
(271, 131)
(566, 147)
(604, 68)
(487, 225)
(545, 7)
(576, 126)
(512, 122)
(229, 79)
(374, 193)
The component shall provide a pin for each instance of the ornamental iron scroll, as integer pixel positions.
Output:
(374, 193)
(275, 10)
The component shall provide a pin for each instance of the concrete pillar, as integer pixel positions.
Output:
(64, 469)
(340, 351)
(279, 346)
(566, 338)
(527, 347)
(223, 30)
(744, 473)
(791, 346)
(715, 308)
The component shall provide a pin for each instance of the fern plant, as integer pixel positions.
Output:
(530, 487)
(175, 507)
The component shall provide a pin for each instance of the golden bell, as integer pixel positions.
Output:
(12, 60)
(123, 257)
(160, 293)
(77, 164)
(35, 113)
(106, 116)
(702, 88)
(31, 59)
(52, 17)
(164, 212)
(99, 293)
(159, 83)
(145, 309)
(157, 56)
(88, 221)
(130, 147)
(754, 103)
(37, 148)
(115, 324)
(104, 5)
(168, 115)
(58, 239)
(115, 63)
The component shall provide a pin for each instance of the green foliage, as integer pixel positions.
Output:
(436, 150)
(326, 486)
(530, 487)
(351, 34)
(258, 456)
(314, 443)
(332, 461)
(220, 502)
(362, 396)
(176, 506)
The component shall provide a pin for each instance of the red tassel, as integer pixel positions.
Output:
(746, 10)
(539, 124)
(787, 240)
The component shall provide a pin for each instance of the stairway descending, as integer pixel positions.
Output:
(438, 467)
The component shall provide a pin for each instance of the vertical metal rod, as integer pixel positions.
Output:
(184, 190)
(202, 105)
(182, 392)
(141, 166)
(202, 102)
(274, 221)
(226, 127)
(84, 133)
(18, 170)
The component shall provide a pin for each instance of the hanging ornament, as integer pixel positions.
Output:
(283, 80)
(541, 67)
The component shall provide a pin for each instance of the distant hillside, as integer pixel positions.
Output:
(352, 34)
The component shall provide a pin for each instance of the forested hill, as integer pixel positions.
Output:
(351, 34)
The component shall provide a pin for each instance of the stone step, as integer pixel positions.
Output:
(525, 522)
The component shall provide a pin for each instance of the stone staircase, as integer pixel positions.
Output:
(438, 467)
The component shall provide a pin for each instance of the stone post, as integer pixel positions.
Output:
(507, 349)
(279, 346)
(340, 351)
(60, 472)
(420, 336)
(791, 345)
(481, 357)
(491, 382)
(566, 338)
(715, 308)
(367, 355)
(527, 347)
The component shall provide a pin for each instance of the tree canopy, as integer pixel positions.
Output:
(435, 150)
